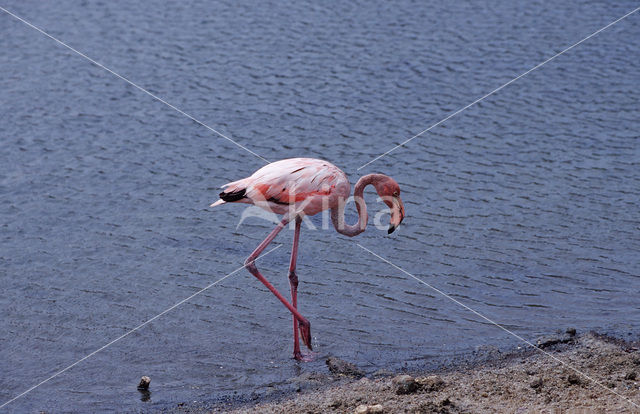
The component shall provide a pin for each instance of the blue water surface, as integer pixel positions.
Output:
(523, 207)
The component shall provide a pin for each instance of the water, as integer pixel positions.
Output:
(524, 207)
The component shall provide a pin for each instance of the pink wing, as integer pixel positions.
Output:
(286, 182)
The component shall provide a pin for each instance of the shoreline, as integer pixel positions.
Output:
(522, 380)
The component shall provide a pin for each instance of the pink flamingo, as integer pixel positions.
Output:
(298, 187)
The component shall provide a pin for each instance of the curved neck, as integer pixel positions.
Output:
(337, 213)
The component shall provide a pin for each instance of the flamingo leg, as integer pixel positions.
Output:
(293, 283)
(304, 325)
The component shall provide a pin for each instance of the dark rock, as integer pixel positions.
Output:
(405, 384)
(338, 366)
(549, 340)
(487, 352)
(573, 379)
(143, 388)
(537, 383)
(144, 383)
(431, 383)
(571, 331)
(631, 376)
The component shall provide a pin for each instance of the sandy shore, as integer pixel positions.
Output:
(522, 381)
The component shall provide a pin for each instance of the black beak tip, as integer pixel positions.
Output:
(391, 229)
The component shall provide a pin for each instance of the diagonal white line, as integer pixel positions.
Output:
(498, 88)
(132, 83)
(499, 326)
(131, 331)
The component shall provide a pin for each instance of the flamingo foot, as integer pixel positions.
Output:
(306, 357)
(305, 333)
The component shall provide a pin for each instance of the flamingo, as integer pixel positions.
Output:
(299, 187)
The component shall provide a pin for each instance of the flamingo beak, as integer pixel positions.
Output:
(397, 213)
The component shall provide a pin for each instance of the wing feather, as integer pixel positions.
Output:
(285, 182)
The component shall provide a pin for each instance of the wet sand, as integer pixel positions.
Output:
(522, 381)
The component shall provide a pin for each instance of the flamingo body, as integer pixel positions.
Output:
(307, 185)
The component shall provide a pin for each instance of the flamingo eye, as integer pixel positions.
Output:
(396, 193)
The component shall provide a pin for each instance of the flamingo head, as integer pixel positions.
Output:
(389, 190)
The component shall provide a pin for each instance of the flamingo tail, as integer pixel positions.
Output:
(230, 196)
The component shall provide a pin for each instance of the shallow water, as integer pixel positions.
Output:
(524, 207)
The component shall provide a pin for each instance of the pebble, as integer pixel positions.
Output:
(144, 383)
(405, 384)
(369, 409)
(631, 376)
(361, 409)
